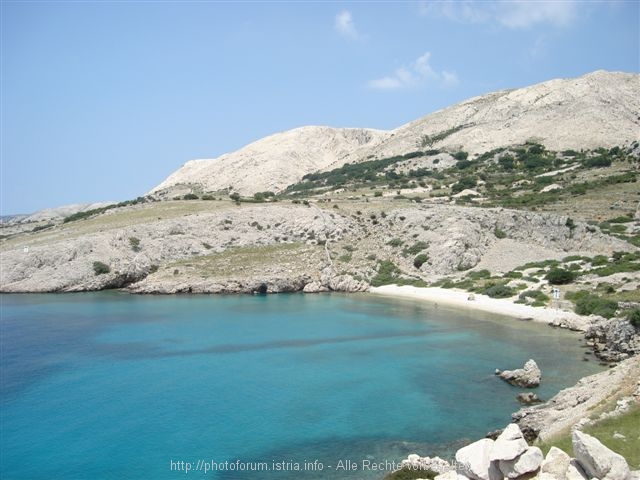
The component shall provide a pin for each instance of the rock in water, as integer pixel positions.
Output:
(597, 460)
(509, 444)
(473, 460)
(528, 398)
(528, 377)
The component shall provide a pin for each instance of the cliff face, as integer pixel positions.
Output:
(601, 109)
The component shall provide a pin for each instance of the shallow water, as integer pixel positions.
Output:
(108, 385)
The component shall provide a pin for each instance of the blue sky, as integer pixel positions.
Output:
(103, 100)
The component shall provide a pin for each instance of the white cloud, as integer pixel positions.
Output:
(418, 73)
(515, 14)
(449, 79)
(345, 26)
(524, 14)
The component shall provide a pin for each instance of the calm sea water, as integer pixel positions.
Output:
(112, 386)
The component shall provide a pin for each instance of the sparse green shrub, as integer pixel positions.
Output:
(499, 233)
(190, 196)
(560, 276)
(589, 304)
(153, 268)
(599, 260)
(345, 257)
(498, 291)
(463, 184)
(537, 295)
(597, 162)
(387, 273)
(634, 317)
(235, 196)
(408, 473)
(570, 224)
(377, 193)
(513, 274)
(416, 248)
(395, 242)
(134, 243)
(42, 227)
(420, 260)
(506, 162)
(479, 274)
(100, 268)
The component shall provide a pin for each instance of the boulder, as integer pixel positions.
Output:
(435, 464)
(473, 460)
(528, 462)
(528, 398)
(315, 287)
(509, 444)
(559, 466)
(528, 377)
(597, 460)
(575, 471)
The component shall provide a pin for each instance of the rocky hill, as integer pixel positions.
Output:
(601, 109)
(272, 163)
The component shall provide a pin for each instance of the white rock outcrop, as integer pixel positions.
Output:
(529, 461)
(509, 444)
(473, 461)
(529, 376)
(597, 460)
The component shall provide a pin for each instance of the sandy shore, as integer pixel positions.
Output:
(461, 299)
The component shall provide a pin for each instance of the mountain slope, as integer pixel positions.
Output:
(601, 109)
(274, 162)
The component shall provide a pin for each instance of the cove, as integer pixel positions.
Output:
(111, 385)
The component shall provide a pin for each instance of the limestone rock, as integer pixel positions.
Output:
(528, 398)
(555, 465)
(529, 376)
(315, 287)
(473, 460)
(509, 445)
(435, 464)
(565, 409)
(597, 460)
(528, 462)
(556, 462)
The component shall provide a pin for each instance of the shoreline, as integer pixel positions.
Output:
(478, 302)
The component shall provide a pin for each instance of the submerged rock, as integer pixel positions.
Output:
(528, 377)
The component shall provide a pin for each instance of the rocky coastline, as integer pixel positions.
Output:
(510, 456)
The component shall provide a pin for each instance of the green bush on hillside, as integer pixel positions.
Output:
(560, 276)
(100, 268)
(420, 260)
(587, 303)
(634, 317)
(498, 291)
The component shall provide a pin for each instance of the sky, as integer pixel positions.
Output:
(101, 101)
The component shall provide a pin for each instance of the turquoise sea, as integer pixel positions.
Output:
(113, 386)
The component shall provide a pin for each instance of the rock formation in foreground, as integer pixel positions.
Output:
(510, 457)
